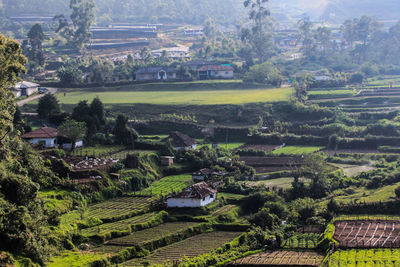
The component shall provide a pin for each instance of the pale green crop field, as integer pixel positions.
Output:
(187, 97)
(297, 150)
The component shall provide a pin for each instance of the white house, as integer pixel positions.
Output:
(195, 196)
(215, 72)
(25, 88)
(49, 137)
(155, 74)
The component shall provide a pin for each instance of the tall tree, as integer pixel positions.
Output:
(306, 37)
(21, 221)
(259, 35)
(123, 134)
(48, 105)
(33, 47)
(82, 17)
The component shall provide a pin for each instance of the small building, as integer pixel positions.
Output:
(49, 137)
(181, 141)
(202, 174)
(167, 160)
(25, 89)
(215, 72)
(156, 74)
(45, 136)
(195, 196)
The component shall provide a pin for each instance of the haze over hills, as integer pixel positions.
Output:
(334, 11)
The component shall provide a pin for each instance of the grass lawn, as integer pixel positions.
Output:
(331, 92)
(165, 94)
(297, 150)
(74, 259)
(228, 146)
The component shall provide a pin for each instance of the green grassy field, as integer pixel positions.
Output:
(74, 259)
(192, 95)
(167, 185)
(297, 150)
(98, 150)
(363, 194)
(283, 183)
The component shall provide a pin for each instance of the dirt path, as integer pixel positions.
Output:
(29, 99)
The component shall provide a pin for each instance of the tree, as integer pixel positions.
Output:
(73, 130)
(397, 192)
(48, 105)
(82, 17)
(306, 37)
(33, 47)
(97, 111)
(259, 35)
(316, 169)
(264, 73)
(22, 220)
(70, 75)
(123, 134)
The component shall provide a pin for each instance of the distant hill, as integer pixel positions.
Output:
(339, 10)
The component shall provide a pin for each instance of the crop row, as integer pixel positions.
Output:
(301, 241)
(119, 225)
(364, 257)
(151, 234)
(190, 247)
(119, 207)
(285, 258)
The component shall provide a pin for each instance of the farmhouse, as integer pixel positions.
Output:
(25, 88)
(155, 74)
(198, 195)
(215, 72)
(181, 141)
(49, 137)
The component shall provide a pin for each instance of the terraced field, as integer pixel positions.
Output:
(284, 258)
(167, 185)
(151, 234)
(223, 210)
(367, 234)
(119, 225)
(190, 247)
(120, 208)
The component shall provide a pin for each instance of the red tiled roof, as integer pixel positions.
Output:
(197, 191)
(216, 68)
(44, 132)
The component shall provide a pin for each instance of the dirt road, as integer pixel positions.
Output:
(29, 99)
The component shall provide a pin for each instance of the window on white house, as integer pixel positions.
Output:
(204, 199)
(211, 196)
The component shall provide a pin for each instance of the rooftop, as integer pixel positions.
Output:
(216, 68)
(44, 132)
(154, 70)
(197, 191)
(179, 139)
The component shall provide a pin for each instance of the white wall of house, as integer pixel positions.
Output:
(69, 145)
(226, 74)
(190, 202)
(47, 142)
(198, 177)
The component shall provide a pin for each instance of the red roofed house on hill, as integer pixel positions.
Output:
(49, 137)
(198, 195)
(215, 72)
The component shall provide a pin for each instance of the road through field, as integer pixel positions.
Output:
(29, 99)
